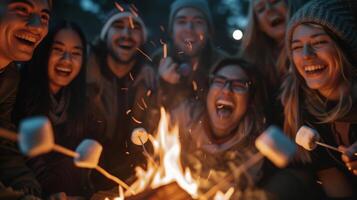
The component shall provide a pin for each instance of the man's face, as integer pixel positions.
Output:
(23, 25)
(190, 31)
(124, 37)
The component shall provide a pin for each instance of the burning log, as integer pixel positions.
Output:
(170, 191)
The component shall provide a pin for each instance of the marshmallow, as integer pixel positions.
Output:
(36, 136)
(276, 146)
(139, 136)
(88, 154)
(307, 138)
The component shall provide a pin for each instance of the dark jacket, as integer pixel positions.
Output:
(323, 158)
(13, 170)
(119, 106)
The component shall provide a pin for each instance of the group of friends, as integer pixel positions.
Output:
(296, 66)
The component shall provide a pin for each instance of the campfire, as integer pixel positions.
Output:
(164, 175)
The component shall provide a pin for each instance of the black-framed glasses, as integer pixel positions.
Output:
(235, 85)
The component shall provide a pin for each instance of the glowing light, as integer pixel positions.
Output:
(237, 34)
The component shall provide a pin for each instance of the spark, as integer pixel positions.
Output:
(133, 12)
(194, 84)
(119, 7)
(145, 105)
(148, 93)
(141, 108)
(131, 22)
(136, 121)
(165, 50)
(131, 76)
(142, 52)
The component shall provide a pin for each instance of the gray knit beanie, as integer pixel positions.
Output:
(200, 5)
(115, 15)
(334, 15)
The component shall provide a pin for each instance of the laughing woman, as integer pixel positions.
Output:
(321, 91)
(218, 134)
(53, 84)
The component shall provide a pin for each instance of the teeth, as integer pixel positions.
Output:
(63, 69)
(222, 103)
(311, 68)
(27, 37)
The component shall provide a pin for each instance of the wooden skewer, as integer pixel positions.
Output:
(332, 147)
(60, 149)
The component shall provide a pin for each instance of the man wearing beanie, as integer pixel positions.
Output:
(118, 91)
(190, 53)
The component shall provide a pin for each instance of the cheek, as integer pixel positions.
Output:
(77, 65)
(212, 93)
(242, 101)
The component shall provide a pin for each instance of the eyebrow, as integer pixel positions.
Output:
(47, 11)
(312, 36)
(62, 44)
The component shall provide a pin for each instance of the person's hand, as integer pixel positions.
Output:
(349, 158)
(148, 76)
(167, 70)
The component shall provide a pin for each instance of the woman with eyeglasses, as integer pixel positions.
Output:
(218, 134)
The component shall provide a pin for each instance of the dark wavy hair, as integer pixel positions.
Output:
(34, 94)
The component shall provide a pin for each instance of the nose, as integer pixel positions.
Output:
(189, 25)
(227, 87)
(126, 31)
(34, 23)
(308, 51)
(66, 57)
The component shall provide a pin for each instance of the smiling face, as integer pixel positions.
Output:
(315, 58)
(227, 103)
(190, 31)
(271, 17)
(123, 38)
(65, 59)
(24, 23)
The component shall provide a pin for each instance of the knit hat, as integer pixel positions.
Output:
(116, 15)
(334, 15)
(200, 5)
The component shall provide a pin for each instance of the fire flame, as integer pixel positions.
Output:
(168, 168)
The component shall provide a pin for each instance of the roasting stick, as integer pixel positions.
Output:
(60, 149)
(252, 161)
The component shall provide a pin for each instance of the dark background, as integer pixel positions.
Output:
(228, 15)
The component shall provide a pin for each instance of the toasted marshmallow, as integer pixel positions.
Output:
(88, 154)
(139, 136)
(276, 146)
(307, 138)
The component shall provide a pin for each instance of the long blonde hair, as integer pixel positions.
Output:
(298, 99)
(260, 49)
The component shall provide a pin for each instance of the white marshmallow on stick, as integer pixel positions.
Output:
(35, 136)
(88, 154)
(139, 136)
(276, 146)
(309, 138)
(273, 144)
